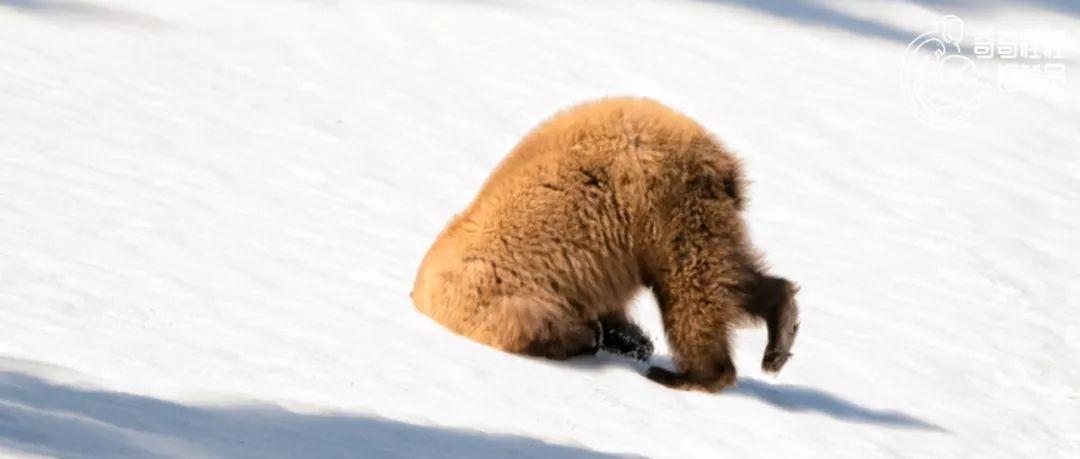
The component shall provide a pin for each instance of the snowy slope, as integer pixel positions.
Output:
(211, 214)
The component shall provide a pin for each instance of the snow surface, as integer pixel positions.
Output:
(211, 214)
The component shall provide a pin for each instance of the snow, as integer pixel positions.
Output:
(211, 214)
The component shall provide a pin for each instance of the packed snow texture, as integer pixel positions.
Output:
(211, 214)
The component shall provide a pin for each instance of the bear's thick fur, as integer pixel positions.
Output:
(593, 204)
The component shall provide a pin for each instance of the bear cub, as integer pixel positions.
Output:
(595, 203)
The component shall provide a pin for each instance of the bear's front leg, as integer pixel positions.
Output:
(773, 300)
(709, 375)
(707, 381)
(698, 332)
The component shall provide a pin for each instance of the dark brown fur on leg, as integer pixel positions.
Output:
(725, 376)
(567, 342)
(773, 300)
(709, 375)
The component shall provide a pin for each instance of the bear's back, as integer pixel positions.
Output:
(594, 133)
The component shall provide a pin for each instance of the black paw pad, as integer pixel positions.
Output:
(628, 340)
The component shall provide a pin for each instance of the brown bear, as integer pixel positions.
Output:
(593, 204)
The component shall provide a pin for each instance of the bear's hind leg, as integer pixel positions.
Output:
(565, 340)
(539, 325)
(621, 336)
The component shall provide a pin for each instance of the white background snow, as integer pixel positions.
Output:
(211, 214)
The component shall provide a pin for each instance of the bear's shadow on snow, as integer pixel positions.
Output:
(799, 398)
(784, 396)
(41, 417)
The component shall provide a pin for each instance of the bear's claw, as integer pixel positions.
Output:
(774, 361)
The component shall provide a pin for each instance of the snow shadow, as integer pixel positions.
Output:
(41, 417)
(785, 396)
(806, 399)
(817, 13)
(813, 13)
(1066, 7)
(77, 9)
